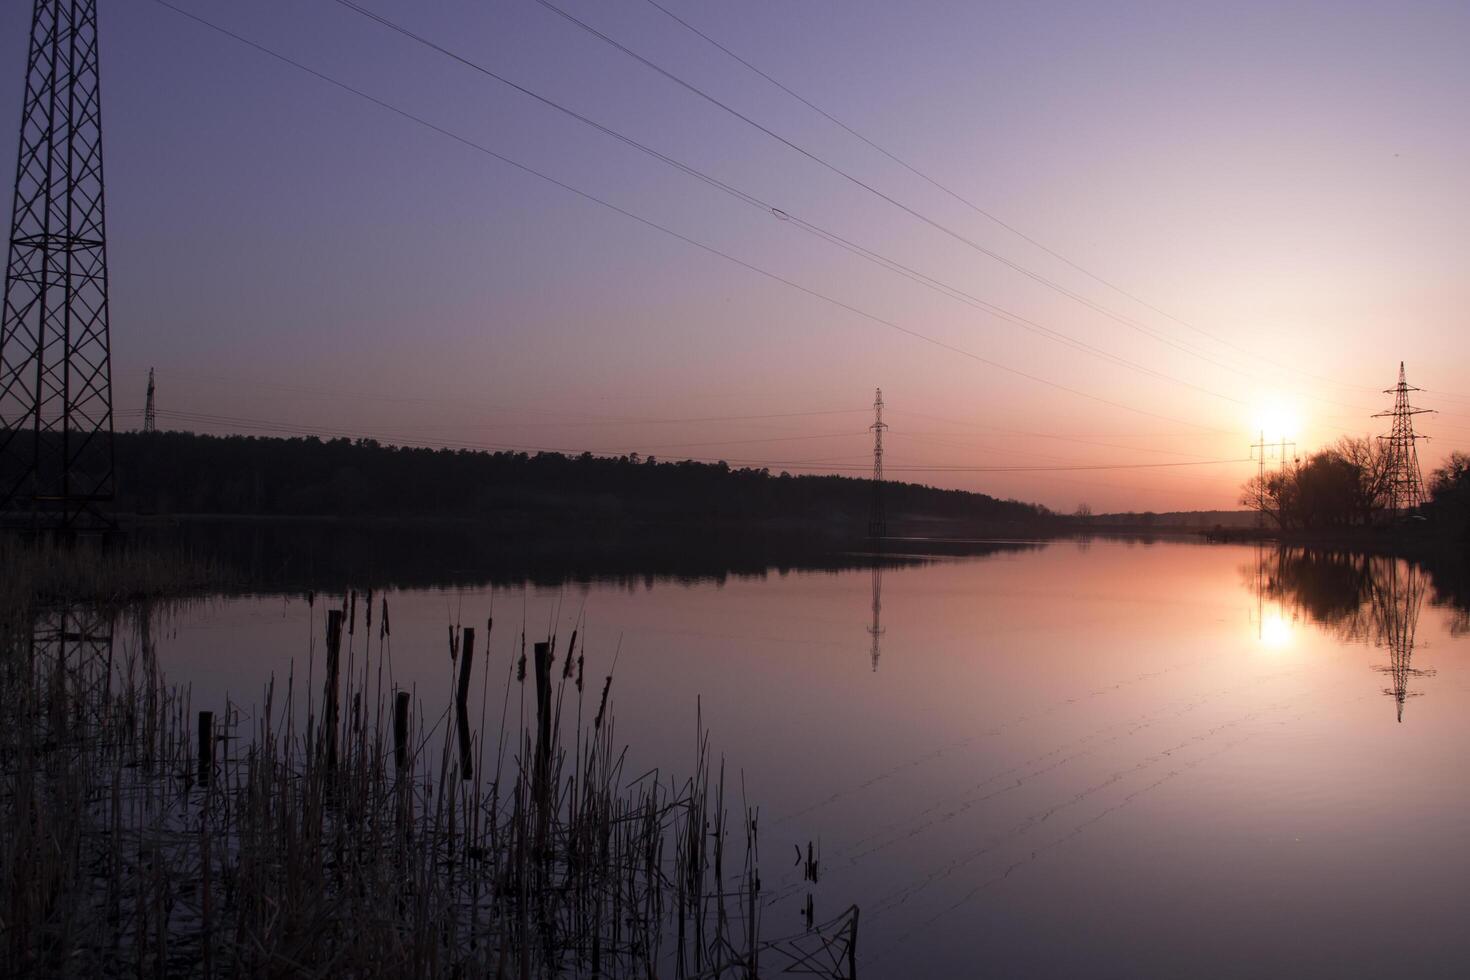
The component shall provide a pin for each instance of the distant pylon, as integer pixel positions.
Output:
(150, 420)
(1401, 469)
(1259, 450)
(877, 522)
(56, 465)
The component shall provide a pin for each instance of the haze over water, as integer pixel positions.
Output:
(1082, 758)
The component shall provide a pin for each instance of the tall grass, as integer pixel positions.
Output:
(341, 831)
(43, 570)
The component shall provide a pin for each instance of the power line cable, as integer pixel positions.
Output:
(937, 225)
(785, 214)
(932, 181)
(1080, 441)
(586, 195)
(262, 424)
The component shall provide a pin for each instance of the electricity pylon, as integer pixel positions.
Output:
(1401, 469)
(877, 522)
(150, 419)
(56, 464)
(1259, 450)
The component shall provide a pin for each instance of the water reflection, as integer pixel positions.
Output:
(1061, 721)
(1361, 598)
(75, 637)
(1397, 595)
(876, 630)
(293, 556)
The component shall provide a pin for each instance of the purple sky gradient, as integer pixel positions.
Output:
(1290, 178)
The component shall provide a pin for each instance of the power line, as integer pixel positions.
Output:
(934, 182)
(817, 466)
(790, 463)
(1065, 469)
(1080, 441)
(525, 168)
(937, 225)
(785, 214)
(304, 429)
(641, 420)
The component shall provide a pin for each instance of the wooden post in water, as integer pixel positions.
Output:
(400, 730)
(462, 707)
(542, 772)
(206, 746)
(332, 693)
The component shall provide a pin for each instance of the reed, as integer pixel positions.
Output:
(142, 836)
(45, 570)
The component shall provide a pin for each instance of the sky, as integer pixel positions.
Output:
(1057, 235)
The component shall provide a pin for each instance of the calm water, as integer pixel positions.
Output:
(1104, 760)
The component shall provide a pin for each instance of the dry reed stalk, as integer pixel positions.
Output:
(126, 846)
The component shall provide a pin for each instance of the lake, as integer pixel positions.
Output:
(1096, 758)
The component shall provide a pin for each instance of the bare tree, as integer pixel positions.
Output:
(1344, 485)
(1368, 457)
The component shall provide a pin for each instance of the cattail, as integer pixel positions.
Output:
(566, 670)
(602, 704)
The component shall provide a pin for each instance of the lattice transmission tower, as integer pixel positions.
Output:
(150, 417)
(877, 522)
(1401, 467)
(56, 464)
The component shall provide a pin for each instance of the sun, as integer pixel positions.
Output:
(1277, 421)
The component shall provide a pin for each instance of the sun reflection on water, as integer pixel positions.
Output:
(1275, 631)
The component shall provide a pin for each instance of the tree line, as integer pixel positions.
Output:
(187, 473)
(1347, 485)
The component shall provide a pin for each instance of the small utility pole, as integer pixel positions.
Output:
(1259, 449)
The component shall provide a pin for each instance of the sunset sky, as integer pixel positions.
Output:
(1212, 213)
